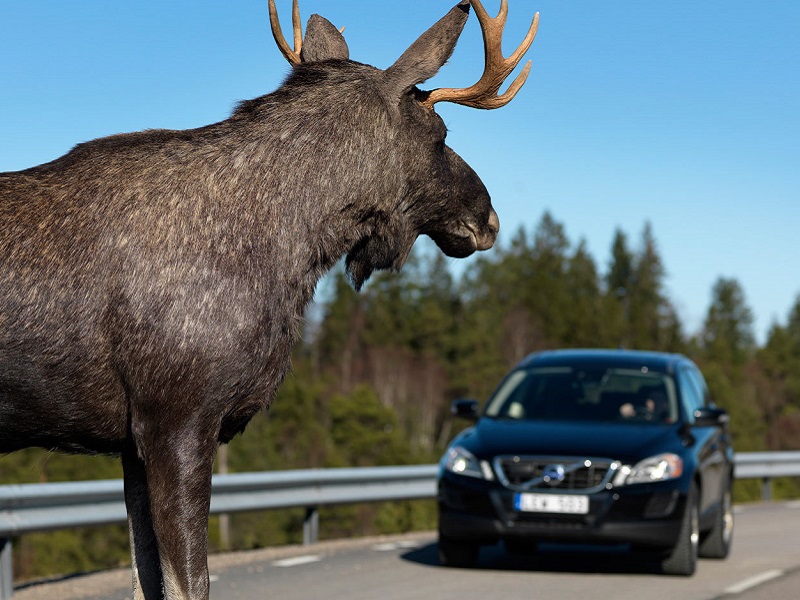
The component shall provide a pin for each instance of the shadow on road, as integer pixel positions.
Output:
(555, 558)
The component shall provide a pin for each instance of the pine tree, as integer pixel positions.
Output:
(727, 335)
(647, 300)
(779, 360)
(584, 322)
(548, 298)
(619, 289)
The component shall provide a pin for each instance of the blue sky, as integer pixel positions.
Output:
(684, 114)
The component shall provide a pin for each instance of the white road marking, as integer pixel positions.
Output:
(753, 581)
(388, 547)
(385, 547)
(297, 560)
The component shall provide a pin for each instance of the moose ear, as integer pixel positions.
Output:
(425, 57)
(323, 41)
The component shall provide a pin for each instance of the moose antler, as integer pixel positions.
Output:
(292, 55)
(483, 94)
(296, 56)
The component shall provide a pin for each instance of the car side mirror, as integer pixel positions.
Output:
(711, 417)
(465, 408)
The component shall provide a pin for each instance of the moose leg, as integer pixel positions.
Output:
(179, 485)
(145, 563)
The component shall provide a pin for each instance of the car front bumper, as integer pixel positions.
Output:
(647, 515)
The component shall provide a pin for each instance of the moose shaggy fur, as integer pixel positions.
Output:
(152, 284)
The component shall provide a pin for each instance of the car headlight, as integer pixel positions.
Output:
(661, 467)
(462, 462)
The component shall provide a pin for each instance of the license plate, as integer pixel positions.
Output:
(552, 503)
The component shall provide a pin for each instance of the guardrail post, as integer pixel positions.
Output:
(766, 489)
(6, 570)
(311, 526)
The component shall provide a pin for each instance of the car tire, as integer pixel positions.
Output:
(717, 542)
(682, 559)
(457, 554)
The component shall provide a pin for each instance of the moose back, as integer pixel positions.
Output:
(152, 284)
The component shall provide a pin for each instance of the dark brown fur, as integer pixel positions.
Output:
(153, 283)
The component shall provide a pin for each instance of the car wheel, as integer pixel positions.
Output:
(682, 559)
(717, 543)
(454, 553)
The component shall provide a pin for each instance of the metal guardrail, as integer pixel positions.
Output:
(27, 508)
(767, 466)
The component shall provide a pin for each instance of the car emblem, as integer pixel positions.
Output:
(554, 474)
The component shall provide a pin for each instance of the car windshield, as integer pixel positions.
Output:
(586, 394)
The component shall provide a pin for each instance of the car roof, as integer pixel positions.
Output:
(662, 362)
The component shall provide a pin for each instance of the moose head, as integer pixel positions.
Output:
(439, 195)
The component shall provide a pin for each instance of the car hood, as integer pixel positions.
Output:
(625, 442)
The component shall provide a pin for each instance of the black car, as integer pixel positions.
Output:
(592, 446)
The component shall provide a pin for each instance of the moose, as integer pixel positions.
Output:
(153, 284)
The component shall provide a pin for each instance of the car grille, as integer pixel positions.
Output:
(524, 473)
(552, 521)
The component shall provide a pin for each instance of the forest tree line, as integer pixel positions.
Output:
(374, 376)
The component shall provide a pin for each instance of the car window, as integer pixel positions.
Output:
(692, 395)
(700, 384)
(586, 394)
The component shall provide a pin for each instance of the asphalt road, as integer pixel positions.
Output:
(764, 565)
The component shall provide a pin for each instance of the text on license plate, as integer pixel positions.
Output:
(552, 503)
